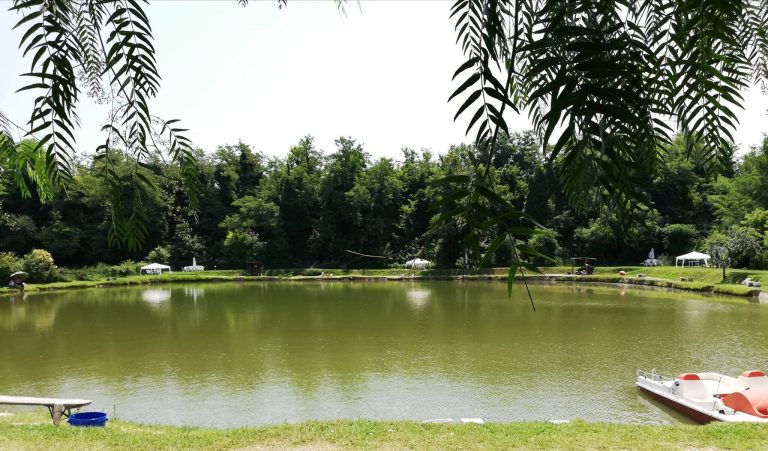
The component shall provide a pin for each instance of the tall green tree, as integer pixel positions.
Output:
(415, 173)
(337, 227)
(376, 198)
(680, 187)
(734, 198)
(752, 180)
(294, 186)
(253, 232)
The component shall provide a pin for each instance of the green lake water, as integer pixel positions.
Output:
(233, 354)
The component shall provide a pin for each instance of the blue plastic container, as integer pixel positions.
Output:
(94, 419)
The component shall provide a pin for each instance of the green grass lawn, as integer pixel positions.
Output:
(698, 278)
(704, 274)
(32, 430)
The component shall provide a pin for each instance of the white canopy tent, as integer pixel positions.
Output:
(154, 268)
(693, 257)
(418, 263)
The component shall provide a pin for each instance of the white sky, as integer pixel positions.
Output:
(381, 74)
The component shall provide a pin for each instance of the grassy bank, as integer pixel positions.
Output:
(698, 279)
(34, 431)
(701, 279)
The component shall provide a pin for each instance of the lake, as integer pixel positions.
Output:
(234, 354)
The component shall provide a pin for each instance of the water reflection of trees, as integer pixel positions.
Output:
(342, 334)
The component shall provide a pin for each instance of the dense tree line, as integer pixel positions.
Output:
(309, 208)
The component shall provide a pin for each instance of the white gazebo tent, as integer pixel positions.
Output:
(697, 257)
(154, 268)
(418, 263)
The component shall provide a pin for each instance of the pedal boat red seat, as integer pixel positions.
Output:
(752, 398)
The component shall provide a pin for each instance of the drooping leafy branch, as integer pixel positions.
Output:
(107, 47)
(600, 78)
(25, 162)
(6, 135)
(487, 33)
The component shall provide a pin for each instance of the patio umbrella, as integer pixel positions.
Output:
(20, 274)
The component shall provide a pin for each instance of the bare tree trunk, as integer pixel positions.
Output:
(723, 273)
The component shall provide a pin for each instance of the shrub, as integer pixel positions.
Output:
(759, 261)
(9, 264)
(39, 265)
(735, 277)
(97, 272)
(547, 244)
(502, 256)
(680, 238)
(597, 240)
(126, 268)
(160, 254)
(242, 246)
(299, 272)
(70, 274)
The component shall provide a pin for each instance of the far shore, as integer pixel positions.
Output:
(701, 280)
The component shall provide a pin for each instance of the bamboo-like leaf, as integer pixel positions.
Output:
(497, 242)
(511, 278)
(471, 62)
(467, 83)
(470, 100)
(530, 267)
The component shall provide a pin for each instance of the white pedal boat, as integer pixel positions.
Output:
(707, 397)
